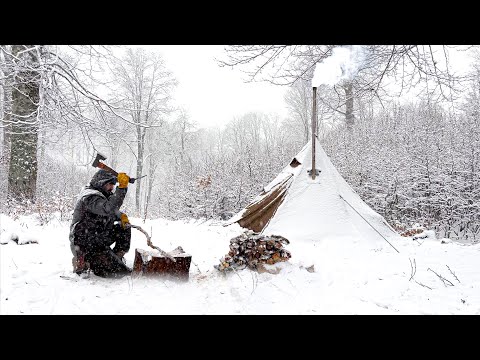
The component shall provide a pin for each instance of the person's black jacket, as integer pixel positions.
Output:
(95, 213)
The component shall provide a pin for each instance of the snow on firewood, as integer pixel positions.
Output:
(252, 249)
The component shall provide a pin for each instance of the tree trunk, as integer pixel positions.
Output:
(22, 175)
(115, 150)
(306, 131)
(140, 146)
(43, 140)
(306, 117)
(7, 107)
(349, 116)
(150, 180)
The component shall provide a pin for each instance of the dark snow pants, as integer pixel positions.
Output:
(103, 261)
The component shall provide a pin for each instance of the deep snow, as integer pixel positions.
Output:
(350, 276)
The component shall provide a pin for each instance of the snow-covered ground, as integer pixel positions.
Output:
(349, 277)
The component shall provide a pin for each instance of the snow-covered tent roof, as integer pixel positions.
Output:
(299, 208)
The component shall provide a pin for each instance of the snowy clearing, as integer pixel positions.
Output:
(350, 277)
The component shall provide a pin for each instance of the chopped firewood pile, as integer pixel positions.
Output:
(251, 249)
(411, 232)
(415, 233)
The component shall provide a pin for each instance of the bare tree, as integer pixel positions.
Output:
(22, 175)
(183, 126)
(408, 65)
(5, 73)
(299, 104)
(285, 64)
(145, 86)
(49, 89)
(152, 163)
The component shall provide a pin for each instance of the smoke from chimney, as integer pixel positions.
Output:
(343, 64)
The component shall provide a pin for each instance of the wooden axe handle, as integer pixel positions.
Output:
(106, 168)
(110, 170)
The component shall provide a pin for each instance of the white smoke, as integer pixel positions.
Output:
(343, 64)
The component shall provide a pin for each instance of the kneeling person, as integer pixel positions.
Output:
(95, 228)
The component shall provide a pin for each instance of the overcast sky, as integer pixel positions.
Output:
(213, 95)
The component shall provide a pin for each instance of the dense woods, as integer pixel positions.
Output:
(415, 161)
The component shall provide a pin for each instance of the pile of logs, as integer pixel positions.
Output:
(411, 232)
(251, 249)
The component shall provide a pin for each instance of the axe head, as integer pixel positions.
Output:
(97, 160)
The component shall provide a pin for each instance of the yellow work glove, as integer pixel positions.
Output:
(124, 220)
(123, 180)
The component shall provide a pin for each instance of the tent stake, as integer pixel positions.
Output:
(368, 223)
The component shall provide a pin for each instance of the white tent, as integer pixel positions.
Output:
(299, 208)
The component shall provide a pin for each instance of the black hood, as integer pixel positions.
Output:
(101, 178)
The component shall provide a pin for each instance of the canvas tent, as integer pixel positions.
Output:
(299, 208)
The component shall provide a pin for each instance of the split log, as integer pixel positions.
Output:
(155, 263)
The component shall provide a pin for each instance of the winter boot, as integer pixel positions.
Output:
(79, 264)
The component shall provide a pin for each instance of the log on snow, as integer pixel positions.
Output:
(154, 263)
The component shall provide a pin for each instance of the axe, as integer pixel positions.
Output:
(98, 164)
